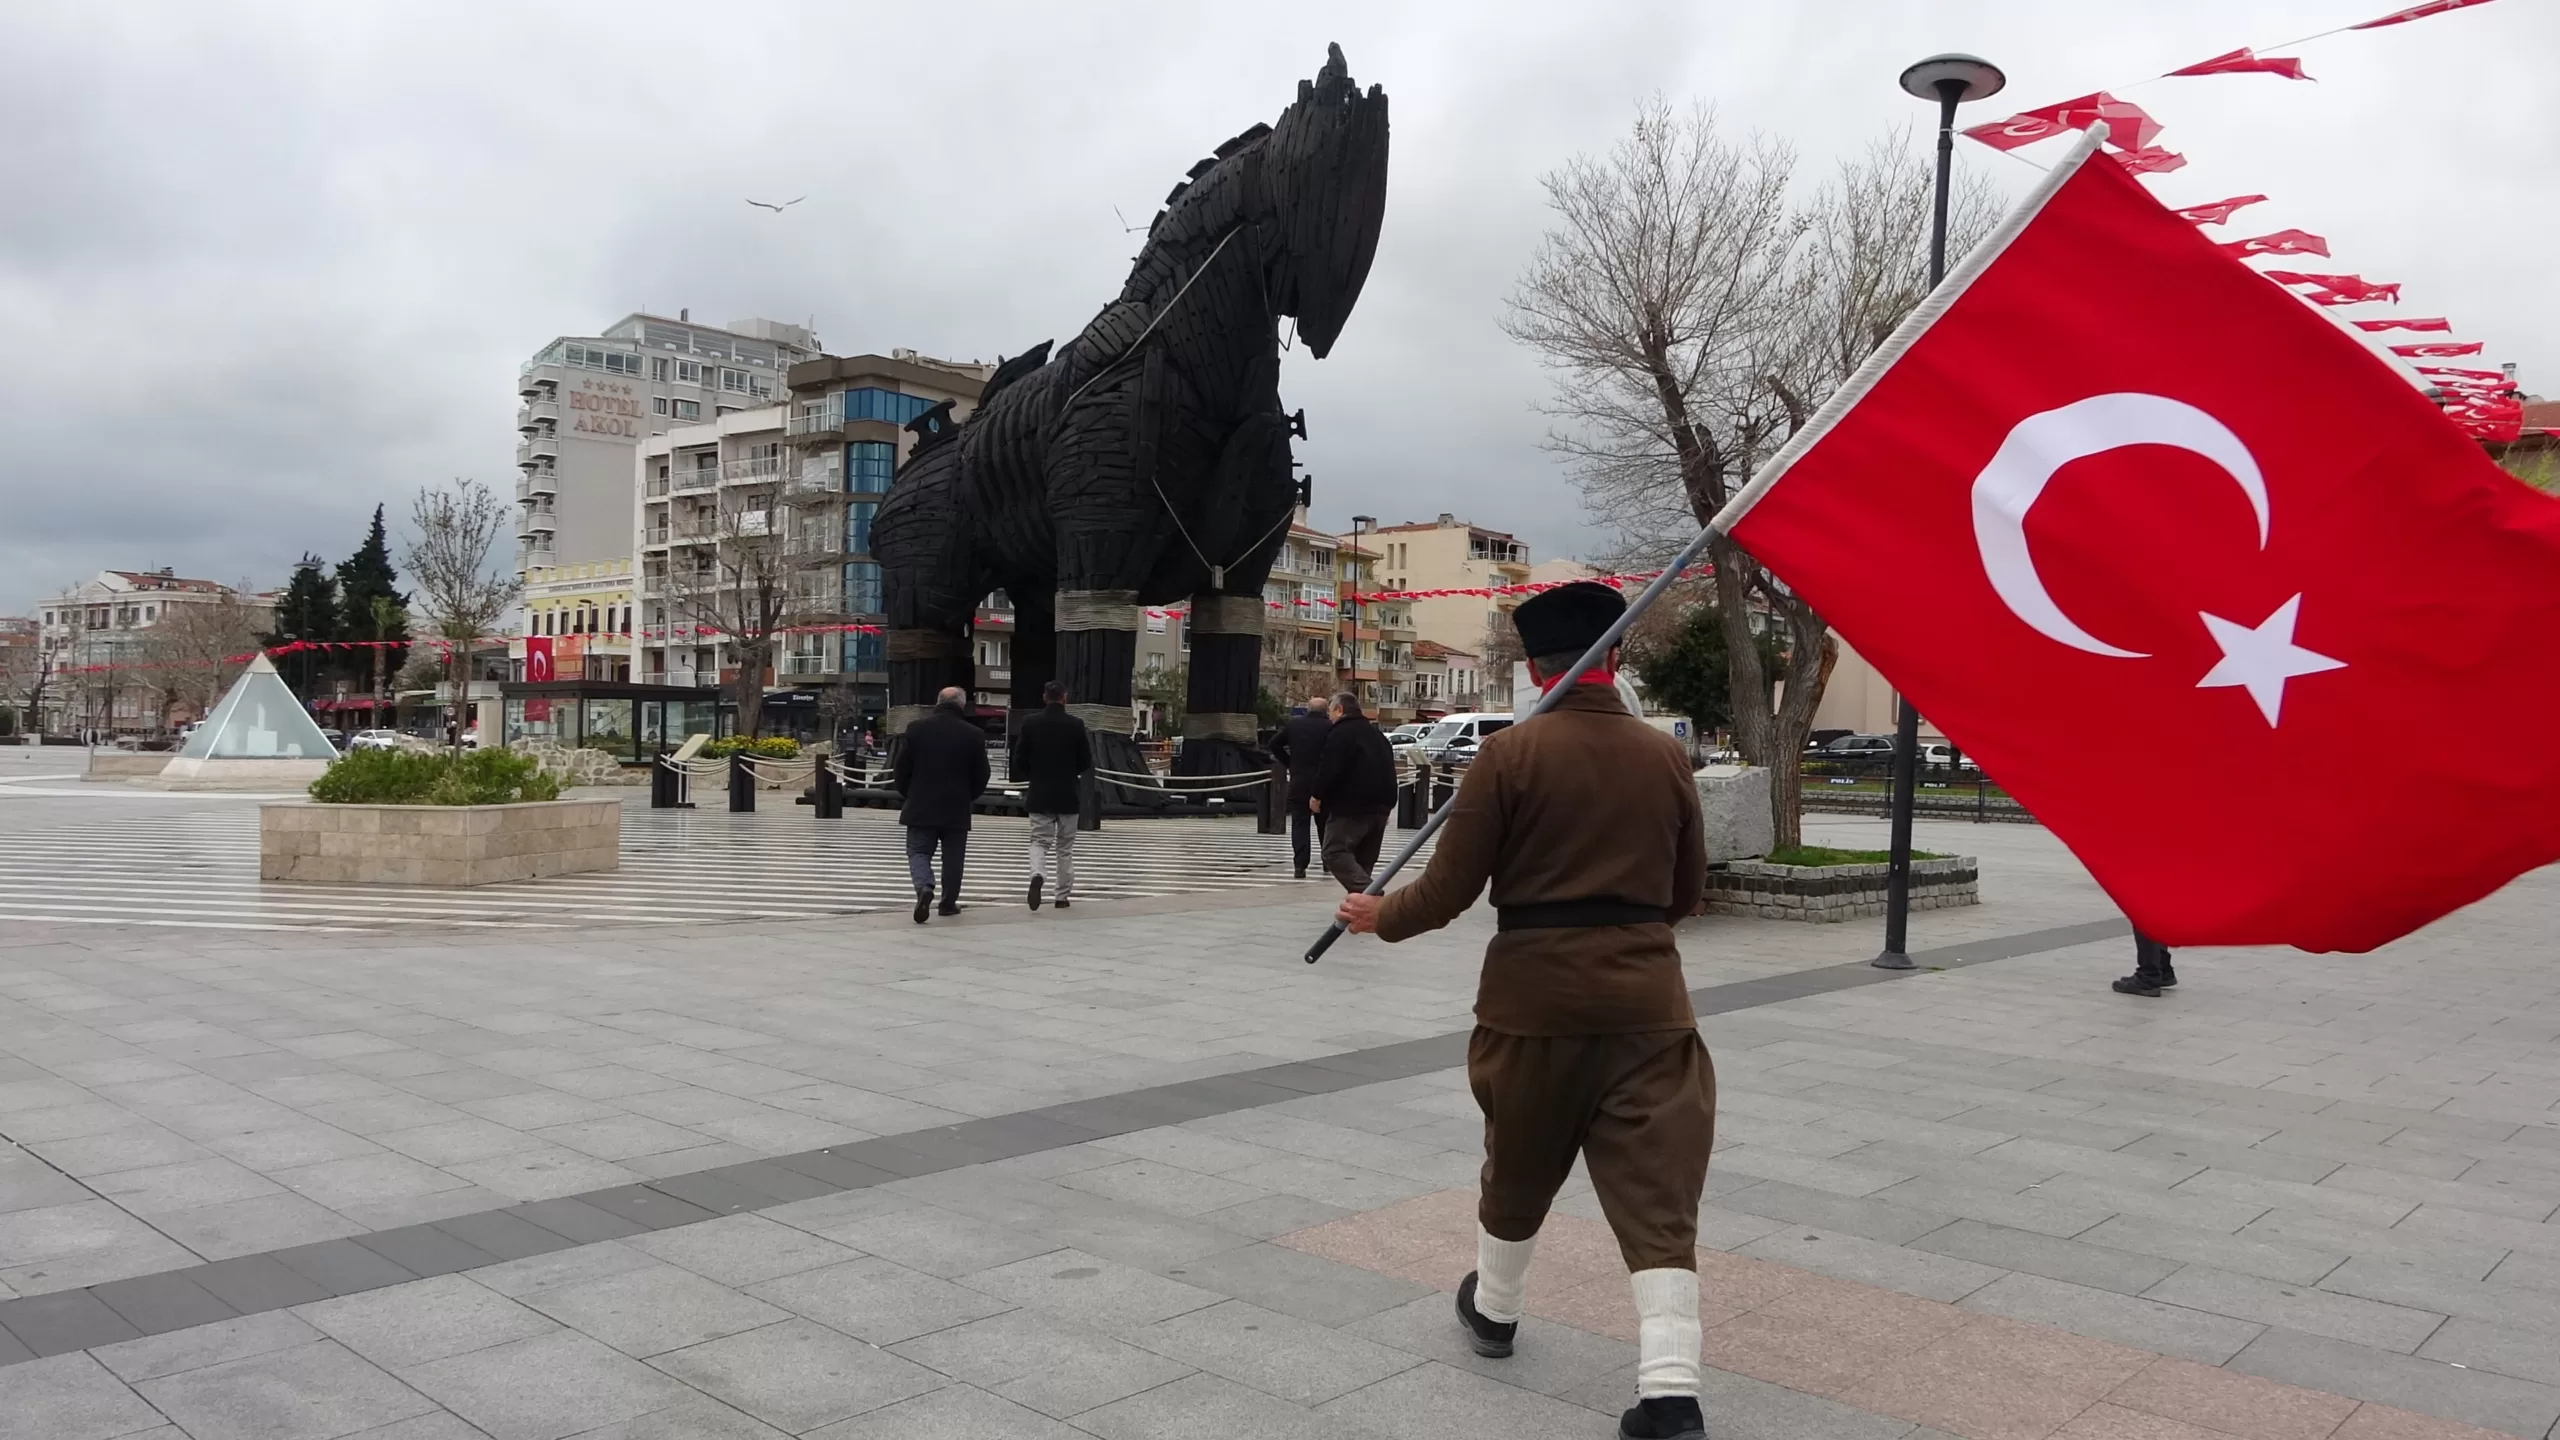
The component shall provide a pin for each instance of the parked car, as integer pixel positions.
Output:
(1856, 747)
(373, 740)
(1943, 755)
(1450, 729)
(1406, 740)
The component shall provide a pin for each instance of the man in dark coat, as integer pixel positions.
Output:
(941, 771)
(1586, 823)
(1354, 789)
(1299, 745)
(1050, 751)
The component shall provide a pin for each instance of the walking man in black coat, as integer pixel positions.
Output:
(1354, 789)
(1050, 751)
(1299, 745)
(941, 771)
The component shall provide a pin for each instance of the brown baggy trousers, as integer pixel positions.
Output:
(1639, 1109)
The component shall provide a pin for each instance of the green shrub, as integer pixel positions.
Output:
(1825, 855)
(763, 747)
(438, 777)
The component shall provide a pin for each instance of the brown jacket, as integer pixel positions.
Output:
(1586, 802)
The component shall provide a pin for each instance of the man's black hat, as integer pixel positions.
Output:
(1568, 618)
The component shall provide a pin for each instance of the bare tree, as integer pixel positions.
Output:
(456, 532)
(195, 652)
(1697, 317)
(737, 581)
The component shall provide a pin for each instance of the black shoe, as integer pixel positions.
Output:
(1664, 1417)
(1491, 1338)
(949, 909)
(1035, 892)
(2137, 985)
(1301, 875)
(924, 905)
(1061, 904)
(2168, 979)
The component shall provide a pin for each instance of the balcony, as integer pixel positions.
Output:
(756, 470)
(808, 665)
(541, 481)
(815, 544)
(813, 486)
(653, 535)
(538, 381)
(539, 417)
(653, 585)
(529, 556)
(685, 482)
(693, 528)
(541, 519)
(534, 451)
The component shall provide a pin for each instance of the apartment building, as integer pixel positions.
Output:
(587, 402)
(778, 500)
(1377, 637)
(123, 647)
(1453, 554)
(587, 611)
(1445, 681)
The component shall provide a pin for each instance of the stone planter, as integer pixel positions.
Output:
(1834, 892)
(1734, 801)
(450, 845)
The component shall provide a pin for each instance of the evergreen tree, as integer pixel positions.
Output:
(308, 610)
(365, 578)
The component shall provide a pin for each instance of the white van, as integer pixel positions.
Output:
(1471, 728)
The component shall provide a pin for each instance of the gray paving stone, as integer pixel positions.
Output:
(426, 1250)
(876, 1301)
(2177, 1207)
(71, 1397)
(342, 1267)
(2298, 1307)
(2080, 1263)
(518, 1278)
(2243, 1159)
(1090, 1288)
(404, 1325)
(154, 1304)
(2461, 1258)
(798, 1375)
(2271, 1259)
(1052, 1364)
(1273, 1215)
(318, 1391)
(696, 1417)
(2525, 1352)
(1550, 1359)
(2344, 1205)
(191, 1349)
(502, 1236)
(938, 1241)
(648, 1208)
(1277, 1354)
(2386, 1377)
(1875, 1219)
(159, 1189)
(738, 1250)
(62, 1321)
(546, 1387)
(575, 1220)
(2125, 1319)
(1334, 1182)
(254, 1283)
(1200, 1405)
(648, 1312)
(255, 1225)
(1872, 1262)
(1437, 1402)
(958, 1412)
(2524, 1306)
(1162, 1185)
(2030, 1210)
(1295, 1283)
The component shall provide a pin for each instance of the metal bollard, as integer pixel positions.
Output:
(1409, 799)
(1270, 805)
(1442, 787)
(828, 801)
(1088, 802)
(663, 781)
(742, 786)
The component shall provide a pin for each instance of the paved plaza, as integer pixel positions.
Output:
(1135, 1171)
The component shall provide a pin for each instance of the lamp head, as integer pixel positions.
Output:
(1979, 78)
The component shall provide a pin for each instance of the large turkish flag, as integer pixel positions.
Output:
(2211, 589)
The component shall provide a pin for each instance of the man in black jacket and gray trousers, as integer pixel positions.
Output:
(1300, 745)
(941, 771)
(1354, 789)
(1049, 752)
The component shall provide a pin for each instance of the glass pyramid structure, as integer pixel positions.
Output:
(259, 720)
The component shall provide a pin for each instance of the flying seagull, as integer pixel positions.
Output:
(776, 209)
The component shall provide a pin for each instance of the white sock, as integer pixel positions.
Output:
(1666, 1332)
(1502, 1276)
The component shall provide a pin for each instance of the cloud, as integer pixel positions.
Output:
(265, 266)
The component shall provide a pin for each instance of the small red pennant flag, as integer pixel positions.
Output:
(2436, 350)
(2151, 160)
(2282, 242)
(2464, 374)
(2219, 212)
(2429, 323)
(2245, 61)
(2128, 125)
(2418, 12)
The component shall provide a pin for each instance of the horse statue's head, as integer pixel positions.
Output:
(1324, 184)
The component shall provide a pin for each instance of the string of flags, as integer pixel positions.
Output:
(1322, 602)
(2484, 404)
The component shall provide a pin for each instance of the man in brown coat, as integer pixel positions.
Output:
(1585, 820)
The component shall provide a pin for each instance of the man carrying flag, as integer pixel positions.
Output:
(2105, 477)
(1586, 822)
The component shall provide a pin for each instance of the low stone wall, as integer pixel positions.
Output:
(1834, 892)
(437, 844)
(122, 765)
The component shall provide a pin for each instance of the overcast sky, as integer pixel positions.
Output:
(265, 265)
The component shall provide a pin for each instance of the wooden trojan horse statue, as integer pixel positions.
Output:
(1147, 461)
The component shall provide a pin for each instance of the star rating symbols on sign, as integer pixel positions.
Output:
(2262, 658)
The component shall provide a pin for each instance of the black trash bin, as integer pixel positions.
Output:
(742, 785)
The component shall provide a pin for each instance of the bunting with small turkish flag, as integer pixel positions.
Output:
(2463, 374)
(2422, 324)
(2418, 12)
(2282, 242)
(2063, 499)
(2437, 350)
(2150, 160)
(2218, 212)
(2245, 61)
(2337, 289)
(2136, 128)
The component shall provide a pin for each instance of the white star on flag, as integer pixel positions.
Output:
(2260, 660)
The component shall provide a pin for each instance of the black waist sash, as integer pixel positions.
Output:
(1578, 915)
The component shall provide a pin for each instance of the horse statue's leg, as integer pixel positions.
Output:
(1220, 725)
(933, 580)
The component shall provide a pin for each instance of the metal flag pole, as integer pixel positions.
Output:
(1950, 80)
(1687, 557)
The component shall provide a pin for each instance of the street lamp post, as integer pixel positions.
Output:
(1361, 525)
(1950, 80)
